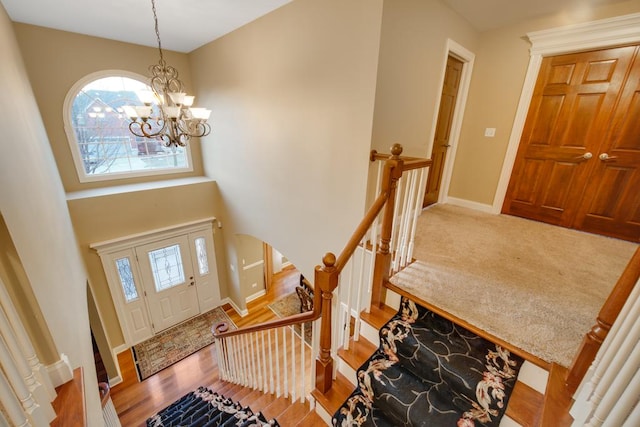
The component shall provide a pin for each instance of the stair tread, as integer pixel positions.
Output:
(341, 388)
(378, 316)
(358, 352)
(524, 405)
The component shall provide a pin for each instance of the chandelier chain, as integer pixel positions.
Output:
(155, 19)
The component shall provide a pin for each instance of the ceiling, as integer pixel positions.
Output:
(186, 25)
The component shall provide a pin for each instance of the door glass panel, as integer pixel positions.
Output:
(126, 279)
(201, 253)
(166, 265)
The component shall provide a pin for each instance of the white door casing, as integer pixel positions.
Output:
(132, 307)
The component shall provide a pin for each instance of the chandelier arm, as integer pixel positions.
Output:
(145, 128)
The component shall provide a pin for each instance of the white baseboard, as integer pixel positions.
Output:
(470, 204)
(114, 352)
(256, 295)
(60, 372)
(228, 300)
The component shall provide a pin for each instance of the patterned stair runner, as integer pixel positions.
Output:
(204, 408)
(429, 371)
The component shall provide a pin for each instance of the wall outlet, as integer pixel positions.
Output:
(255, 285)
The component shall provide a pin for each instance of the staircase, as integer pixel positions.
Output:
(343, 334)
(429, 371)
(521, 408)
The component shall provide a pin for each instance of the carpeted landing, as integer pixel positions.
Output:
(428, 371)
(204, 408)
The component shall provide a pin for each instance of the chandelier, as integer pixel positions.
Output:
(167, 114)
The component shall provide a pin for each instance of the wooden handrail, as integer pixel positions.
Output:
(361, 231)
(220, 331)
(607, 315)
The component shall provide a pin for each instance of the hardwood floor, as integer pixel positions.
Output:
(136, 401)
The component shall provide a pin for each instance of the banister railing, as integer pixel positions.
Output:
(242, 353)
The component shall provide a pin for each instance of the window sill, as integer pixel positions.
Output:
(131, 188)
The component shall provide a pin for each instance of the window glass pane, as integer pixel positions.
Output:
(126, 279)
(105, 144)
(201, 253)
(166, 265)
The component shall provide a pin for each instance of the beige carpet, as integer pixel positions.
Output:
(536, 286)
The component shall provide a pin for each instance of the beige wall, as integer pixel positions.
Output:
(99, 219)
(32, 202)
(412, 59)
(292, 96)
(502, 59)
(56, 60)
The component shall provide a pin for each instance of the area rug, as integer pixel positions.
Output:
(176, 343)
(534, 285)
(204, 407)
(287, 306)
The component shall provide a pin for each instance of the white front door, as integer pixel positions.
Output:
(167, 274)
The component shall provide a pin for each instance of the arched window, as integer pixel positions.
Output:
(103, 148)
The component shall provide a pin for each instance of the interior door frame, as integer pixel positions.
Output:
(592, 35)
(467, 57)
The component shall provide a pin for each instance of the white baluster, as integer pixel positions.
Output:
(346, 313)
(246, 365)
(302, 367)
(613, 393)
(293, 365)
(278, 390)
(39, 370)
(271, 387)
(612, 364)
(393, 243)
(285, 367)
(11, 404)
(361, 288)
(418, 209)
(36, 416)
(254, 382)
(22, 366)
(625, 403)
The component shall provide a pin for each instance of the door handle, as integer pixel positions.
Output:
(446, 145)
(585, 156)
(604, 157)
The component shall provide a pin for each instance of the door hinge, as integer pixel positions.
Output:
(145, 293)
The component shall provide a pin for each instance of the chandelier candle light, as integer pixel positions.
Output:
(167, 114)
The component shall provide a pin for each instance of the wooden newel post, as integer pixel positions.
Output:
(392, 173)
(326, 279)
(608, 314)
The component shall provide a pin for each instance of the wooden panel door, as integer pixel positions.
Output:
(569, 117)
(441, 143)
(611, 203)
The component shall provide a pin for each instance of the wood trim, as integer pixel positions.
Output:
(70, 404)
(557, 400)
(606, 317)
(268, 265)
